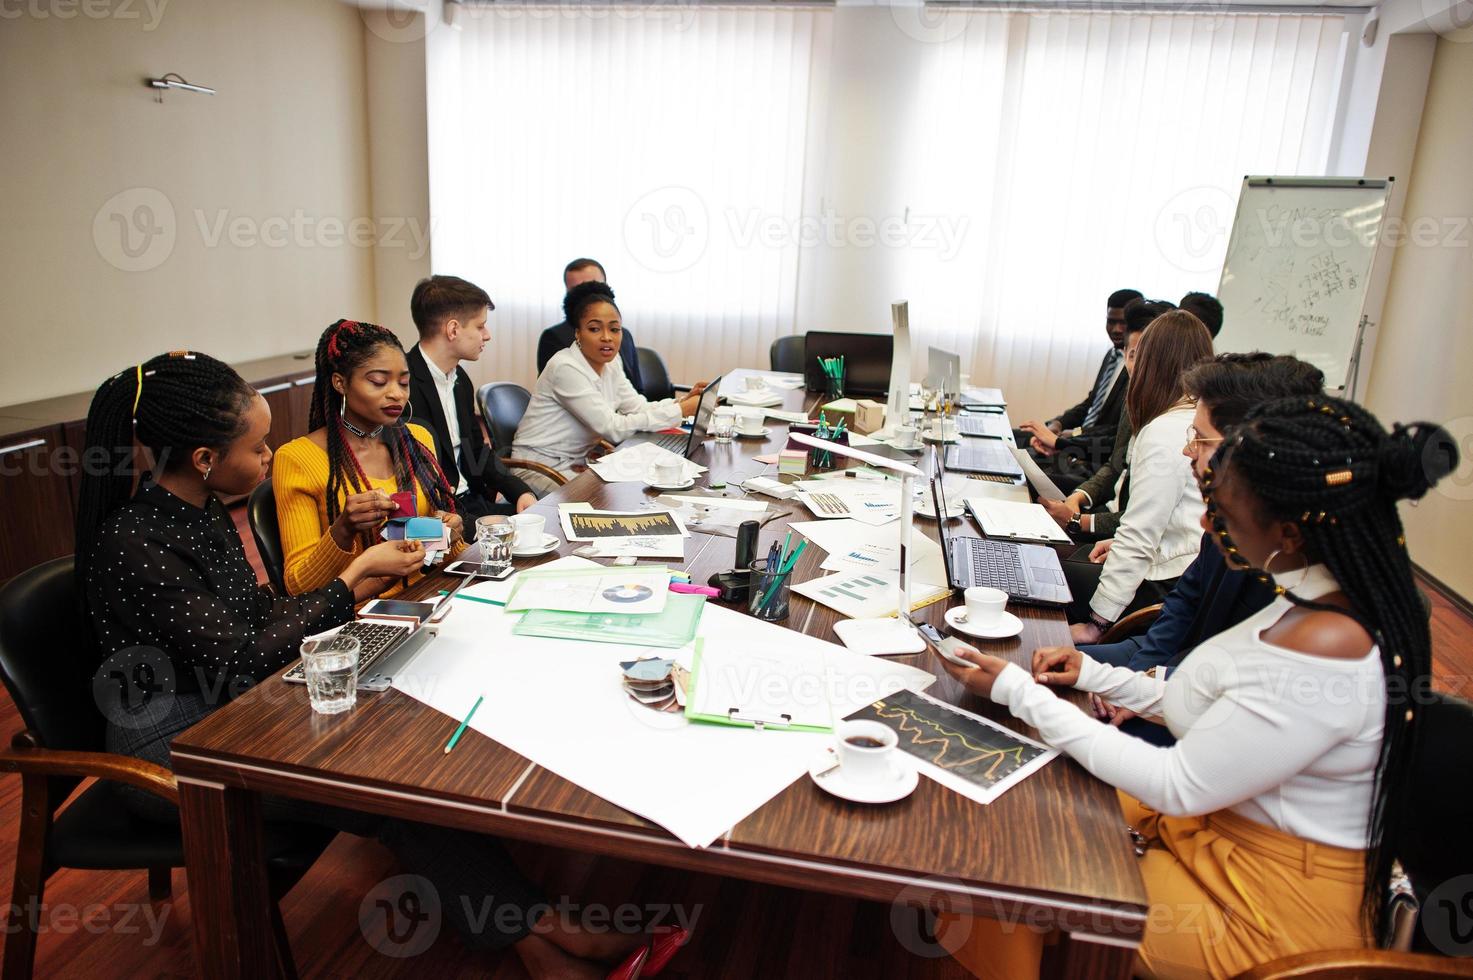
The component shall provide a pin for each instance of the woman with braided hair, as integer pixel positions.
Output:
(333, 485)
(1270, 827)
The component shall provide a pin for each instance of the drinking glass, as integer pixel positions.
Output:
(331, 666)
(494, 534)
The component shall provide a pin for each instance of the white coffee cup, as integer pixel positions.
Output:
(529, 530)
(985, 606)
(936, 428)
(905, 436)
(750, 420)
(668, 472)
(755, 382)
(866, 751)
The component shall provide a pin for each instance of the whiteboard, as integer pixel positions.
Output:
(1297, 268)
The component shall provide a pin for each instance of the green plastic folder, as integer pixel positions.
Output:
(709, 699)
(675, 626)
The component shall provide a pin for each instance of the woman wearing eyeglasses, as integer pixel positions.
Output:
(1158, 534)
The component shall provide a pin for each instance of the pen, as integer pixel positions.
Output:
(461, 730)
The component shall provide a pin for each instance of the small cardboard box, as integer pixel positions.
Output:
(869, 416)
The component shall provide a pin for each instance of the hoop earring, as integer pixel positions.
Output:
(1268, 567)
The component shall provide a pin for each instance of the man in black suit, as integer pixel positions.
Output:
(560, 335)
(1078, 441)
(451, 316)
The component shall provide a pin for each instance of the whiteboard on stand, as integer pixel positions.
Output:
(1298, 267)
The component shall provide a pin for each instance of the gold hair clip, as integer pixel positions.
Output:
(1338, 478)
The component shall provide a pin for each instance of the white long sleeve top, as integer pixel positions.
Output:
(573, 407)
(1160, 530)
(1283, 738)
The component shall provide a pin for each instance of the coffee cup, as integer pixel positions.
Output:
(866, 751)
(529, 530)
(749, 421)
(936, 428)
(905, 436)
(668, 472)
(985, 606)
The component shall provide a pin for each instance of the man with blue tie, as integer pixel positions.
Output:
(1077, 441)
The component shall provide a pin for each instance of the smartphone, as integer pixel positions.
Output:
(398, 607)
(478, 569)
(942, 645)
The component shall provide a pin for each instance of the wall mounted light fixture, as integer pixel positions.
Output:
(174, 80)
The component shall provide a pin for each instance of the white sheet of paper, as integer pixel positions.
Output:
(865, 595)
(559, 704)
(1023, 522)
(1046, 488)
(654, 546)
(636, 464)
(867, 501)
(761, 398)
(787, 416)
(611, 590)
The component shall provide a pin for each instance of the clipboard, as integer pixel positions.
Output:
(729, 688)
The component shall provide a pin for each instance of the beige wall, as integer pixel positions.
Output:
(279, 154)
(1425, 351)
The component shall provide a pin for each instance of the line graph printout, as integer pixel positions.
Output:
(591, 525)
(964, 752)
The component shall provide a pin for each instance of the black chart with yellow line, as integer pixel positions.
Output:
(963, 745)
(588, 527)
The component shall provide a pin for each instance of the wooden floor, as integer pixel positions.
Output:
(742, 931)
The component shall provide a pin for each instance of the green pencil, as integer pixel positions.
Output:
(461, 730)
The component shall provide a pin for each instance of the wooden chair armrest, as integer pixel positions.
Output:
(1133, 625)
(1348, 963)
(542, 468)
(26, 758)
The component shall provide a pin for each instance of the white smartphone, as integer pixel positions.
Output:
(478, 569)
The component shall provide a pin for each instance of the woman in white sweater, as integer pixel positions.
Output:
(1158, 536)
(1270, 827)
(583, 395)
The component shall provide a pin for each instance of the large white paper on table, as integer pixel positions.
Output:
(655, 546)
(787, 416)
(559, 703)
(1015, 521)
(636, 464)
(627, 591)
(866, 595)
(872, 502)
(856, 547)
(732, 384)
(761, 398)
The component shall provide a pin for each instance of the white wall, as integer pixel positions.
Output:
(237, 207)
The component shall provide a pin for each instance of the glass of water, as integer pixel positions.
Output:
(723, 426)
(494, 534)
(331, 666)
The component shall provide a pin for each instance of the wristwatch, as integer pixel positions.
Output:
(1100, 621)
(1074, 527)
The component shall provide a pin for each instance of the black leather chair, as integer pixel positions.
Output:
(657, 384)
(786, 354)
(261, 515)
(47, 662)
(503, 403)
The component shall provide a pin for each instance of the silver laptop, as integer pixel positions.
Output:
(983, 425)
(988, 457)
(684, 443)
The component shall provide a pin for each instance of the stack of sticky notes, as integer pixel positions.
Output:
(792, 461)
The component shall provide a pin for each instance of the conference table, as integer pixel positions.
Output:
(1052, 853)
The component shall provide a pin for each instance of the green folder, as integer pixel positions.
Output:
(740, 716)
(674, 626)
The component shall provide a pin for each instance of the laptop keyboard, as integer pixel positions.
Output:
(998, 564)
(374, 640)
(672, 441)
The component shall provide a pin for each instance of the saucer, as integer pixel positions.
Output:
(924, 507)
(549, 543)
(1008, 625)
(766, 431)
(905, 781)
(654, 482)
(934, 440)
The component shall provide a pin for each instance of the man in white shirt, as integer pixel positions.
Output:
(451, 315)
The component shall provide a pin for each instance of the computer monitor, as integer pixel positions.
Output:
(943, 370)
(867, 358)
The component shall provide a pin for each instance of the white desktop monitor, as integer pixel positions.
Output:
(943, 370)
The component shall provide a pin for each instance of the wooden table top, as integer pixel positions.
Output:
(1054, 845)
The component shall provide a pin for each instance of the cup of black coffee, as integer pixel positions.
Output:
(866, 751)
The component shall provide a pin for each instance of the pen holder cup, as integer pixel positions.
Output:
(833, 386)
(770, 591)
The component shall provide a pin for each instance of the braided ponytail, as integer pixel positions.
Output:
(342, 349)
(172, 404)
(1329, 467)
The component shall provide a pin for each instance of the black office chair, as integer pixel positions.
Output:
(503, 404)
(261, 515)
(657, 384)
(47, 661)
(786, 354)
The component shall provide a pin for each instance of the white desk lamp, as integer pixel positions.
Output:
(887, 635)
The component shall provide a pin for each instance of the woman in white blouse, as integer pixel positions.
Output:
(1158, 536)
(583, 395)
(1271, 825)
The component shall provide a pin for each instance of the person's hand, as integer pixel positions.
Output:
(1055, 427)
(698, 387)
(1111, 714)
(1039, 447)
(526, 500)
(1047, 437)
(361, 512)
(1084, 633)
(689, 403)
(1059, 510)
(1057, 666)
(454, 522)
(1101, 551)
(377, 568)
(978, 678)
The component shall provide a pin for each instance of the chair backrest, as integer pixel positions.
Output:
(48, 657)
(261, 515)
(1436, 847)
(786, 354)
(502, 406)
(657, 385)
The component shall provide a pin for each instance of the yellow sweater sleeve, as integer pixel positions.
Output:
(299, 483)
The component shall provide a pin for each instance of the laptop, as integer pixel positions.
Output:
(1026, 572)
(867, 358)
(983, 400)
(989, 457)
(684, 443)
(984, 426)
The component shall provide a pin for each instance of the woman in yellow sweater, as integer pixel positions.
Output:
(333, 485)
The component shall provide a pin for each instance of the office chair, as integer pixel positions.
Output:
(786, 354)
(261, 515)
(48, 663)
(657, 384)
(503, 404)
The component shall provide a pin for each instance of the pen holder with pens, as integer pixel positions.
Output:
(770, 590)
(833, 376)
